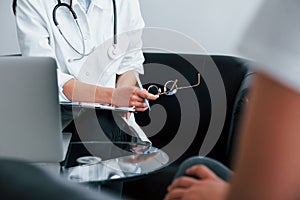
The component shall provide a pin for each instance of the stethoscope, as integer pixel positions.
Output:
(113, 51)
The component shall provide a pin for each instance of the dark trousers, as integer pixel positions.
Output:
(94, 125)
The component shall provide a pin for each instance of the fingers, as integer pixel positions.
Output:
(175, 194)
(201, 171)
(138, 103)
(145, 94)
(182, 182)
(132, 97)
(209, 186)
(180, 186)
(138, 99)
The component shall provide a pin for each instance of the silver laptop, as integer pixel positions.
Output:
(30, 125)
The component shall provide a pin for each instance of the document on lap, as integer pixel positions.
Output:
(98, 106)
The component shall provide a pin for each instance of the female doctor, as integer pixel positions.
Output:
(70, 31)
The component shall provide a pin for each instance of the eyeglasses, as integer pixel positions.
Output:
(170, 87)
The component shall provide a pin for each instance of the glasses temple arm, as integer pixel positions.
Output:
(191, 86)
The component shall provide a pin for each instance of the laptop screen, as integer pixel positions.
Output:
(30, 125)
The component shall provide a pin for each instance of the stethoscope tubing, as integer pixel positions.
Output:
(115, 28)
(83, 53)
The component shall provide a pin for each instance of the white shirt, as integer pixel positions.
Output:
(38, 36)
(273, 40)
(85, 4)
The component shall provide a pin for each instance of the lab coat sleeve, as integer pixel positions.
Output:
(134, 58)
(33, 32)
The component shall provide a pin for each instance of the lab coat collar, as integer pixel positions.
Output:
(103, 4)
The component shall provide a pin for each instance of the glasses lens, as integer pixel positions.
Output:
(153, 89)
(170, 88)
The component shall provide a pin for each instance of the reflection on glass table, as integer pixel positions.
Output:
(113, 161)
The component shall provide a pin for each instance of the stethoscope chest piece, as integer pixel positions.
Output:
(114, 52)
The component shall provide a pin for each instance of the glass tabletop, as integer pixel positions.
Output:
(105, 161)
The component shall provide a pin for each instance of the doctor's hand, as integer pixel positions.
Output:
(208, 187)
(131, 96)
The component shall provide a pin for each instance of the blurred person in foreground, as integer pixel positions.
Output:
(267, 161)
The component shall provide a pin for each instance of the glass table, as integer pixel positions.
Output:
(102, 162)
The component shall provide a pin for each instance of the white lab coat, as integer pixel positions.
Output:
(38, 36)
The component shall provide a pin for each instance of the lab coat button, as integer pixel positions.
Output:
(87, 73)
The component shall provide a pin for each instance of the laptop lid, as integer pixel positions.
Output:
(30, 125)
